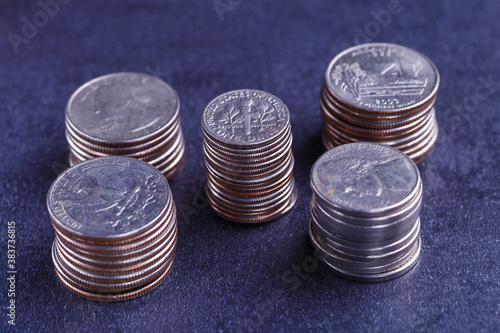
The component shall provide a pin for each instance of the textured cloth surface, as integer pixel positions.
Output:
(227, 276)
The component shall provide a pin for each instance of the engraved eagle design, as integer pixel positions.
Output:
(112, 196)
(362, 177)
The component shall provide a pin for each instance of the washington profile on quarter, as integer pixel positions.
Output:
(127, 114)
(122, 108)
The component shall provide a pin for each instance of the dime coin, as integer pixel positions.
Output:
(247, 143)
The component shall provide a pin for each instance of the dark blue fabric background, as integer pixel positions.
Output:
(227, 276)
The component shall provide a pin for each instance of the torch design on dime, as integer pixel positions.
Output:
(247, 141)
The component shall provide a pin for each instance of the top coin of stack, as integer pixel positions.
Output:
(128, 114)
(247, 141)
(382, 93)
(365, 211)
(116, 228)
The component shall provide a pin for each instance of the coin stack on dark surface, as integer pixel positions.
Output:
(248, 156)
(381, 93)
(116, 228)
(365, 209)
(127, 114)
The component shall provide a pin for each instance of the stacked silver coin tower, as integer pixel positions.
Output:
(248, 157)
(365, 211)
(116, 228)
(127, 114)
(381, 93)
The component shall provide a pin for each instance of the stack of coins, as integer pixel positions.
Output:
(116, 228)
(247, 142)
(381, 93)
(127, 114)
(365, 211)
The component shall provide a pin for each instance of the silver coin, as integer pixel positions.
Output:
(411, 209)
(259, 217)
(373, 118)
(245, 117)
(363, 249)
(244, 183)
(125, 248)
(252, 190)
(258, 171)
(400, 269)
(114, 275)
(389, 252)
(382, 77)
(100, 287)
(122, 252)
(250, 152)
(108, 198)
(364, 178)
(365, 234)
(122, 109)
(112, 296)
(104, 263)
(365, 265)
(252, 205)
(381, 123)
(365, 209)
(249, 161)
(137, 151)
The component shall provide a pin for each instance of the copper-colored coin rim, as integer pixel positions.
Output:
(263, 218)
(116, 275)
(106, 287)
(176, 126)
(378, 123)
(127, 262)
(249, 151)
(115, 297)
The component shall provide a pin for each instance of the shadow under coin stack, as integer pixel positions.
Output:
(248, 156)
(127, 114)
(365, 209)
(381, 93)
(116, 228)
